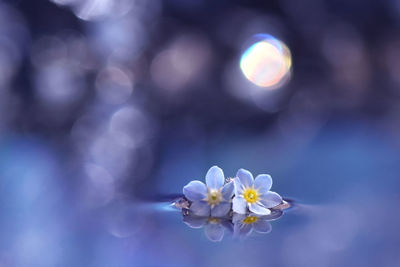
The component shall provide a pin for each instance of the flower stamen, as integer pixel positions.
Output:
(251, 195)
(214, 197)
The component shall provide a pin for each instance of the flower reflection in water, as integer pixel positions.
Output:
(214, 228)
(244, 224)
(241, 225)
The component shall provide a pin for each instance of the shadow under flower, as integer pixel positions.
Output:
(214, 228)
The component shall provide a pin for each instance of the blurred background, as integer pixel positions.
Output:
(105, 104)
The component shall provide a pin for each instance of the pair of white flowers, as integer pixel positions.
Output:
(215, 197)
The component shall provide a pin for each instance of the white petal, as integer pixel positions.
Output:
(200, 208)
(245, 177)
(215, 178)
(270, 199)
(258, 209)
(263, 183)
(239, 205)
(214, 232)
(227, 191)
(239, 187)
(262, 226)
(221, 210)
(195, 191)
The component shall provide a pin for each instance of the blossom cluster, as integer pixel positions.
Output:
(242, 194)
(241, 204)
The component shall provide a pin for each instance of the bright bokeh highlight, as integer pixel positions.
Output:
(267, 62)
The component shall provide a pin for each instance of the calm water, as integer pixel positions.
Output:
(345, 186)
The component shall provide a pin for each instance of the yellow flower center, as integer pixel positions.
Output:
(214, 197)
(250, 220)
(251, 195)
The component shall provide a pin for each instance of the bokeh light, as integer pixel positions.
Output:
(97, 9)
(114, 85)
(266, 63)
(109, 106)
(101, 187)
(59, 84)
(181, 63)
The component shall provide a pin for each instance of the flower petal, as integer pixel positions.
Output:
(195, 191)
(227, 191)
(214, 232)
(246, 178)
(195, 221)
(239, 205)
(262, 226)
(263, 182)
(200, 208)
(221, 210)
(239, 187)
(258, 209)
(215, 177)
(270, 199)
(242, 230)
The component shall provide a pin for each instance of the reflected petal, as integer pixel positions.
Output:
(242, 230)
(221, 210)
(228, 225)
(238, 218)
(258, 209)
(200, 208)
(239, 205)
(194, 221)
(246, 178)
(271, 199)
(262, 226)
(263, 182)
(275, 214)
(215, 177)
(195, 191)
(227, 191)
(214, 232)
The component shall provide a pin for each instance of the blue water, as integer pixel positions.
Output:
(344, 183)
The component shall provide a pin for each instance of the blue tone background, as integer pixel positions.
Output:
(108, 106)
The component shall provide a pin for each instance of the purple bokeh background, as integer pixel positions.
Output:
(107, 105)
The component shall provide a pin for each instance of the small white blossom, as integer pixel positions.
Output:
(254, 194)
(210, 199)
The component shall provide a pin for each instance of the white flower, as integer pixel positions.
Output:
(254, 194)
(212, 199)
